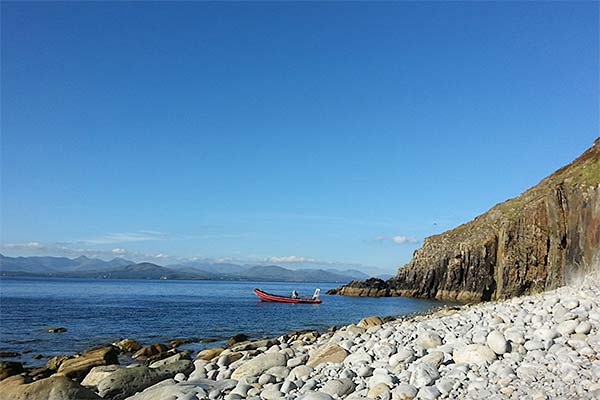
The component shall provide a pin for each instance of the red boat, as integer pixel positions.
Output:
(264, 296)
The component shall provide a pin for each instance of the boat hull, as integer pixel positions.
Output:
(264, 296)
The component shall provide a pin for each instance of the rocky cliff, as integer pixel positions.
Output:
(528, 244)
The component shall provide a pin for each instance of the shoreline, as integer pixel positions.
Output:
(533, 347)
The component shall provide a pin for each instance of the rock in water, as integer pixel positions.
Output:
(149, 351)
(78, 367)
(524, 245)
(209, 354)
(235, 339)
(128, 345)
(10, 368)
(56, 329)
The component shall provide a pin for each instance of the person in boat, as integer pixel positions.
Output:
(294, 294)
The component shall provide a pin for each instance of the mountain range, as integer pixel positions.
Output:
(119, 268)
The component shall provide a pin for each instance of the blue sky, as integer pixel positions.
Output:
(315, 132)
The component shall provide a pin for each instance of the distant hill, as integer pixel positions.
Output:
(57, 265)
(84, 267)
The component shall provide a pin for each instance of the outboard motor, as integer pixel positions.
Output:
(317, 292)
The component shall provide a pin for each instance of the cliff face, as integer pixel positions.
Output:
(528, 244)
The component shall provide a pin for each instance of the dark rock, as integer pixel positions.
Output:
(529, 244)
(56, 387)
(160, 356)
(151, 350)
(9, 354)
(179, 341)
(239, 338)
(54, 363)
(37, 356)
(56, 329)
(9, 368)
(39, 373)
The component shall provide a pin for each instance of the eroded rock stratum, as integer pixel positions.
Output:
(531, 243)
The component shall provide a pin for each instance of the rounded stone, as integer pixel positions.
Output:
(496, 341)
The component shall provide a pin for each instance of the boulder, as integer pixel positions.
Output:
(151, 350)
(235, 339)
(169, 360)
(128, 345)
(429, 339)
(54, 363)
(56, 387)
(378, 390)
(167, 389)
(97, 374)
(209, 354)
(77, 367)
(404, 392)
(474, 354)
(125, 382)
(369, 322)
(259, 364)
(338, 387)
(328, 353)
(424, 374)
(496, 341)
(10, 368)
(310, 395)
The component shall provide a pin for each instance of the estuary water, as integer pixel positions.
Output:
(96, 311)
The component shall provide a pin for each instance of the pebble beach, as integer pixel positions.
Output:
(544, 346)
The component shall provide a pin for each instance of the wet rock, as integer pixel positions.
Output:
(128, 345)
(209, 354)
(56, 329)
(9, 354)
(10, 368)
(55, 362)
(149, 351)
(235, 339)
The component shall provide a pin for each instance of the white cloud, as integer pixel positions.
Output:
(398, 239)
(290, 259)
(124, 237)
(25, 246)
(402, 239)
(119, 251)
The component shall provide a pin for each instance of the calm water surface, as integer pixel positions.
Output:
(100, 311)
